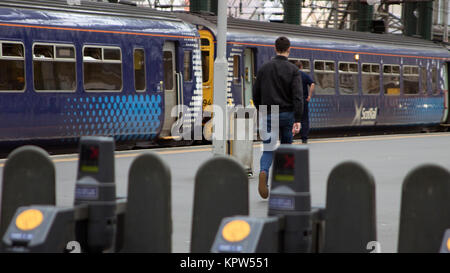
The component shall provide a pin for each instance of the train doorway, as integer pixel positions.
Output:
(170, 86)
(249, 76)
(207, 48)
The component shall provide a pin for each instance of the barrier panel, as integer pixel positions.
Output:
(350, 216)
(221, 190)
(290, 198)
(288, 226)
(425, 210)
(28, 178)
(148, 220)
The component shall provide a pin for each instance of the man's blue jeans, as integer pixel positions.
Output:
(283, 130)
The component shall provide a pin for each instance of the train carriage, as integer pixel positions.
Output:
(362, 79)
(94, 69)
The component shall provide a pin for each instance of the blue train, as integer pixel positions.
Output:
(108, 69)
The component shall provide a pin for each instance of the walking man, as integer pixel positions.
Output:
(308, 88)
(278, 84)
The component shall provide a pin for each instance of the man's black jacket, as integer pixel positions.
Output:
(279, 82)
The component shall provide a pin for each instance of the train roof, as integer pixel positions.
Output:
(210, 21)
(92, 8)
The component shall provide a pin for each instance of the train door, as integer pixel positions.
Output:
(170, 86)
(249, 76)
(207, 48)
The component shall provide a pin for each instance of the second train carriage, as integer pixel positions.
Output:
(362, 79)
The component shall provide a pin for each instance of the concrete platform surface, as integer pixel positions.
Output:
(389, 158)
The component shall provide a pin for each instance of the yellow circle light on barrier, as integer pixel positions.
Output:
(236, 231)
(29, 219)
(448, 244)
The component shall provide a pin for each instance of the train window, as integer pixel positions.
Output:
(423, 79)
(370, 79)
(324, 77)
(434, 81)
(411, 80)
(54, 68)
(375, 68)
(348, 78)
(12, 67)
(43, 52)
(391, 79)
(111, 54)
(366, 68)
(168, 70)
(205, 42)
(63, 52)
(12, 50)
(139, 69)
(236, 69)
(205, 66)
(102, 69)
(319, 65)
(187, 66)
(306, 66)
(92, 54)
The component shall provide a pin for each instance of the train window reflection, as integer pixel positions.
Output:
(12, 67)
(348, 78)
(391, 79)
(324, 77)
(139, 69)
(370, 79)
(102, 69)
(411, 80)
(54, 72)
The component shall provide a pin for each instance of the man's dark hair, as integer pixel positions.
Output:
(282, 44)
(299, 64)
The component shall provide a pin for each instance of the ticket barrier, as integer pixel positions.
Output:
(98, 221)
(92, 220)
(288, 227)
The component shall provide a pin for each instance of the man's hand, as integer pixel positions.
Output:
(296, 128)
(308, 98)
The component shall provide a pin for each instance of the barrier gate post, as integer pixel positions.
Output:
(425, 210)
(148, 221)
(96, 188)
(350, 218)
(28, 178)
(288, 225)
(221, 190)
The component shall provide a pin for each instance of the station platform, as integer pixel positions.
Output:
(389, 158)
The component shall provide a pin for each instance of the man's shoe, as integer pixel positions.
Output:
(304, 141)
(262, 187)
